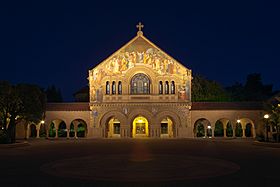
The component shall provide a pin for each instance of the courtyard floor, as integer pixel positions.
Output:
(140, 162)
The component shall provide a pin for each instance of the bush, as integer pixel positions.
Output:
(260, 138)
(4, 137)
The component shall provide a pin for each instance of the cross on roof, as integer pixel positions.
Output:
(139, 26)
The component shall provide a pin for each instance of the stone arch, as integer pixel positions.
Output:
(62, 129)
(221, 126)
(173, 117)
(105, 120)
(144, 113)
(32, 130)
(248, 127)
(140, 69)
(78, 128)
(140, 112)
(200, 127)
(43, 130)
(53, 127)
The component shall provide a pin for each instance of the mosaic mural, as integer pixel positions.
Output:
(123, 61)
(139, 52)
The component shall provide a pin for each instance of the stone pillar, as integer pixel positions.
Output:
(56, 133)
(68, 133)
(205, 132)
(75, 134)
(158, 132)
(38, 131)
(253, 132)
(212, 130)
(47, 133)
(243, 133)
(27, 132)
(233, 132)
(225, 132)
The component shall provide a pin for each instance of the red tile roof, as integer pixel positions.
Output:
(227, 106)
(67, 106)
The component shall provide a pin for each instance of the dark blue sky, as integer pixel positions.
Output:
(46, 42)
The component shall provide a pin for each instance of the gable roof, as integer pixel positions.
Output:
(139, 43)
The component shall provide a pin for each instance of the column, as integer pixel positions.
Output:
(27, 132)
(225, 132)
(47, 133)
(254, 131)
(243, 133)
(212, 130)
(75, 134)
(68, 133)
(38, 131)
(205, 131)
(56, 133)
(233, 131)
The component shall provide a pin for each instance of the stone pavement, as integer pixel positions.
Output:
(140, 162)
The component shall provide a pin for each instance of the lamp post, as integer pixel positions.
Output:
(266, 116)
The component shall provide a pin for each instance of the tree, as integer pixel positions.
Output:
(53, 94)
(20, 103)
(207, 90)
(253, 89)
(274, 119)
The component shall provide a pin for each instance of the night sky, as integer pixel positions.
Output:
(45, 43)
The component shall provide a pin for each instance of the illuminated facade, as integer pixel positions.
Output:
(138, 92)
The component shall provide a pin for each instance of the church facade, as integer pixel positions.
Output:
(139, 92)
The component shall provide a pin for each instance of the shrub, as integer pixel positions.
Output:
(4, 137)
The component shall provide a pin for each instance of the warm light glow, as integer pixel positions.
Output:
(209, 127)
(266, 116)
(140, 127)
(42, 122)
(238, 121)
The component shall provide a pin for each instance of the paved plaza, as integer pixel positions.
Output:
(140, 162)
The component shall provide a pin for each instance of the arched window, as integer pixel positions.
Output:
(172, 87)
(113, 87)
(166, 87)
(120, 88)
(107, 88)
(140, 84)
(160, 89)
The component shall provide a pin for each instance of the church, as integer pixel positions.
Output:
(142, 92)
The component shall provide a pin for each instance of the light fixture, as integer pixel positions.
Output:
(266, 116)
(238, 121)
(42, 122)
(209, 127)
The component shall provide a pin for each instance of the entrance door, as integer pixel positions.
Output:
(140, 127)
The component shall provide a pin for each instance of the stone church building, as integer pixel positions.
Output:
(142, 92)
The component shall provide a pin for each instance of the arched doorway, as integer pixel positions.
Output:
(219, 129)
(238, 130)
(33, 131)
(201, 128)
(248, 130)
(113, 128)
(229, 130)
(78, 128)
(52, 131)
(166, 128)
(72, 130)
(62, 131)
(140, 127)
(42, 130)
